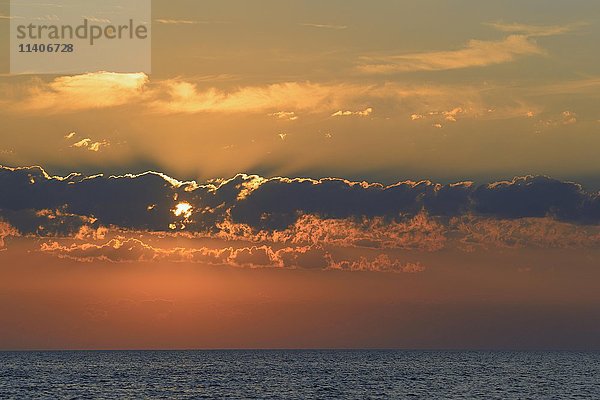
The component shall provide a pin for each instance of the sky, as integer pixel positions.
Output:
(316, 174)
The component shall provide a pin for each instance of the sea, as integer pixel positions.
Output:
(299, 374)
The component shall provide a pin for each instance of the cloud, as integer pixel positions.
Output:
(325, 26)
(114, 251)
(537, 197)
(129, 250)
(569, 118)
(364, 113)
(546, 233)
(420, 232)
(452, 114)
(176, 96)
(280, 100)
(286, 115)
(148, 202)
(477, 53)
(82, 92)
(6, 230)
(185, 97)
(564, 118)
(49, 223)
(32, 189)
(381, 263)
(446, 116)
(253, 222)
(533, 30)
(87, 143)
(90, 145)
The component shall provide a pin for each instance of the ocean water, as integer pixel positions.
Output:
(299, 375)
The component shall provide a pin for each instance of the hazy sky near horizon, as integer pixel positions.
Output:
(464, 134)
(488, 301)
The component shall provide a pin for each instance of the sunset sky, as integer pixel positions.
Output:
(405, 174)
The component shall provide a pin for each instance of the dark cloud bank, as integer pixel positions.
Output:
(36, 203)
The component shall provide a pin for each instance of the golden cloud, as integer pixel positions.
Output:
(477, 53)
(82, 92)
(129, 250)
(533, 30)
(6, 230)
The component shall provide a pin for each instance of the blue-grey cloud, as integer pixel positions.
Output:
(30, 199)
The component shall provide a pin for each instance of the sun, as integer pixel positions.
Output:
(183, 209)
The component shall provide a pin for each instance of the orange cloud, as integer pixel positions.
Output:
(417, 233)
(533, 30)
(286, 115)
(70, 94)
(81, 92)
(122, 250)
(90, 145)
(325, 26)
(477, 53)
(132, 250)
(185, 97)
(364, 113)
(526, 232)
(381, 263)
(6, 230)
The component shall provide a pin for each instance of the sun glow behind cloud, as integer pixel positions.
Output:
(183, 209)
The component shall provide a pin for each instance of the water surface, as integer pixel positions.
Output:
(335, 374)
